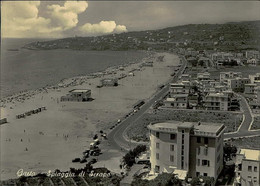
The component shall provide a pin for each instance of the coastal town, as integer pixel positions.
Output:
(185, 113)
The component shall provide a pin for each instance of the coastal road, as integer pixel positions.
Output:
(116, 136)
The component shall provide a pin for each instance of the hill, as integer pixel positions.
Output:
(223, 37)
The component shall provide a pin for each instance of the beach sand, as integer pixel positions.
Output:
(50, 139)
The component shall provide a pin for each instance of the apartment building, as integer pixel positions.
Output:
(186, 148)
(216, 101)
(237, 83)
(204, 86)
(180, 88)
(252, 54)
(221, 56)
(224, 76)
(203, 76)
(247, 167)
(254, 78)
(250, 88)
(177, 101)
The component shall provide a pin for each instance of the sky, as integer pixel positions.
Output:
(57, 19)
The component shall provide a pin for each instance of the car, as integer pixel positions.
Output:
(86, 152)
(83, 160)
(93, 160)
(76, 160)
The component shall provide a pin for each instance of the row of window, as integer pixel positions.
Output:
(158, 146)
(171, 157)
(172, 136)
(198, 174)
(250, 168)
(206, 140)
(205, 150)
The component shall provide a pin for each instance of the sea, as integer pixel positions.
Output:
(23, 69)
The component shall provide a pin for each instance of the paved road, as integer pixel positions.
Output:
(116, 136)
(243, 130)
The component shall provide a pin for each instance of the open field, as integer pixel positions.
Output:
(50, 139)
(256, 124)
(139, 130)
(251, 142)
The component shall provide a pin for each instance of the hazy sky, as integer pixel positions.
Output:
(62, 19)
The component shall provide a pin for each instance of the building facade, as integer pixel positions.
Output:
(186, 148)
(238, 83)
(247, 167)
(224, 76)
(77, 95)
(216, 101)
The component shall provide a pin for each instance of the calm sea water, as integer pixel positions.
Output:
(30, 69)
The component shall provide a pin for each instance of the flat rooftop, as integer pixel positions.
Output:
(206, 127)
(251, 154)
(216, 95)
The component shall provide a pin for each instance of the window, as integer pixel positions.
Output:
(205, 174)
(157, 145)
(171, 158)
(255, 169)
(205, 163)
(158, 134)
(172, 136)
(250, 168)
(198, 162)
(157, 156)
(206, 140)
(172, 147)
(197, 174)
(198, 139)
(206, 151)
(198, 149)
(157, 168)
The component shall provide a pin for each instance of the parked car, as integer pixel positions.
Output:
(93, 160)
(76, 160)
(83, 160)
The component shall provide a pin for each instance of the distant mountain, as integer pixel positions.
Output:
(229, 36)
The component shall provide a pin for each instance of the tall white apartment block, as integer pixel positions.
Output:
(186, 148)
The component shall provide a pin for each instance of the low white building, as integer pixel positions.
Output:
(109, 82)
(77, 95)
(254, 78)
(252, 54)
(247, 167)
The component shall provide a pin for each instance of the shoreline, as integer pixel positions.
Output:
(79, 121)
(91, 75)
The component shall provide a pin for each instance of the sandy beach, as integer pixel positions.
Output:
(50, 139)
